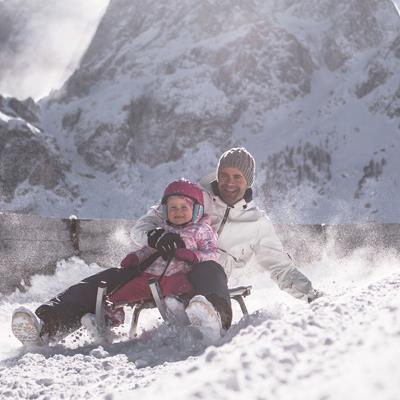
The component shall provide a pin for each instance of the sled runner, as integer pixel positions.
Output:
(102, 301)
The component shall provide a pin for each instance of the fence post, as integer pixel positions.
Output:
(74, 230)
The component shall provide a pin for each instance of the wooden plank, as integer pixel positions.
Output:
(29, 245)
(105, 242)
(32, 244)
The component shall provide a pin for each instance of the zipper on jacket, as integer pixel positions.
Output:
(228, 209)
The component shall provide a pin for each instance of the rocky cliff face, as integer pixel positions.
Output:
(30, 159)
(310, 87)
(190, 71)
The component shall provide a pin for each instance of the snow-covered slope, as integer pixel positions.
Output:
(310, 87)
(343, 346)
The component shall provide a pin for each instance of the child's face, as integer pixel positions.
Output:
(180, 210)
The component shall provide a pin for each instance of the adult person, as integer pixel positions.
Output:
(243, 230)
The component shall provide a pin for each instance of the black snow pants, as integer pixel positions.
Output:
(62, 314)
(209, 279)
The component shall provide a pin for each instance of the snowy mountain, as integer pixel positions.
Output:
(30, 159)
(311, 88)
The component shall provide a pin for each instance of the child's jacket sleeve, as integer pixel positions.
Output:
(206, 241)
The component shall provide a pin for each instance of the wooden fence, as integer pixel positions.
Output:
(32, 244)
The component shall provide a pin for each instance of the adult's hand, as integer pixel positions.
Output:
(314, 294)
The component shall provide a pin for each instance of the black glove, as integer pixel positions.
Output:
(314, 294)
(168, 243)
(153, 236)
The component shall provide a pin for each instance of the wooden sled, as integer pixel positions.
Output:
(237, 293)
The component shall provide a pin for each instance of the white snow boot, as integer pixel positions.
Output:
(26, 327)
(177, 310)
(205, 318)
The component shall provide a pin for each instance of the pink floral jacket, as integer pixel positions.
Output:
(198, 237)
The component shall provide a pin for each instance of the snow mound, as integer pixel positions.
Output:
(344, 345)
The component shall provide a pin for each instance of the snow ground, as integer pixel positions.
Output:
(345, 345)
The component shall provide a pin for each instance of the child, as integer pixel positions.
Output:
(183, 211)
(183, 239)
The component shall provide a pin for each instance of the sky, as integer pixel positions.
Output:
(53, 41)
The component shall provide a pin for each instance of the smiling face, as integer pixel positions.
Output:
(179, 210)
(232, 185)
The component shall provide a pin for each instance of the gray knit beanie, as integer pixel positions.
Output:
(240, 158)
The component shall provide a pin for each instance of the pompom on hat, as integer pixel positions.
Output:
(240, 158)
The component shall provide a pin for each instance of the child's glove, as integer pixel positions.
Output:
(130, 261)
(186, 255)
(168, 243)
(153, 236)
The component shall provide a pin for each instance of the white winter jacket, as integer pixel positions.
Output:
(243, 231)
